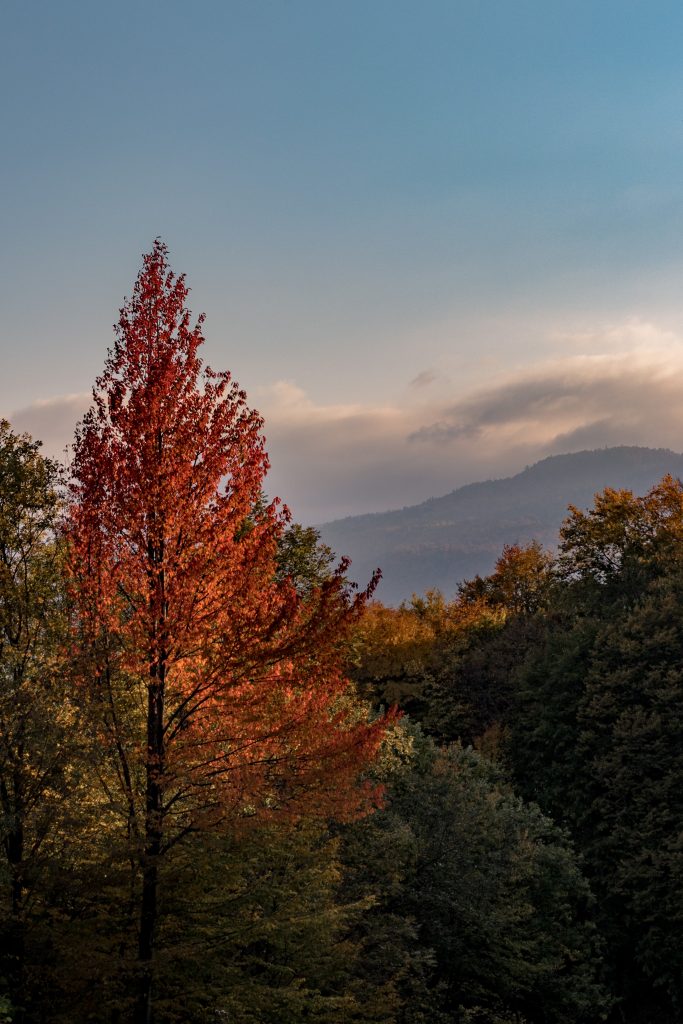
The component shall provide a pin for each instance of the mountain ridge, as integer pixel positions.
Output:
(444, 539)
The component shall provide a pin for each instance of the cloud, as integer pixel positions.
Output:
(333, 462)
(423, 379)
(330, 460)
(633, 335)
(52, 420)
(587, 398)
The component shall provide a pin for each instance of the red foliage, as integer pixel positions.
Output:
(218, 689)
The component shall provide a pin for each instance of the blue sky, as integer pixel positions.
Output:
(434, 241)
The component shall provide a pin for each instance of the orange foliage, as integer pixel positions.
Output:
(622, 525)
(389, 638)
(218, 689)
(397, 649)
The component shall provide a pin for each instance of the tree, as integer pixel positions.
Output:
(214, 684)
(595, 731)
(614, 548)
(480, 907)
(303, 558)
(632, 822)
(400, 653)
(471, 693)
(520, 583)
(263, 937)
(448, 663)
(35, 717)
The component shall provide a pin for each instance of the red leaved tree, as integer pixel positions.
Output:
(216, 687)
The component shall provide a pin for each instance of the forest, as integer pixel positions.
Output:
(236, 788)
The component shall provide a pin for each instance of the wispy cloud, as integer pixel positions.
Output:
(330, 460)
(625, 396)
(423, 379)
(632, 335)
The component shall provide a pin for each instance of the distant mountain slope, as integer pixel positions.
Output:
(444, 540)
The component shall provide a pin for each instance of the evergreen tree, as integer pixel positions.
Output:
(482, 911)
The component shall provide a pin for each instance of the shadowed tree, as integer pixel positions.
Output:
(35, 717)
(595, 731)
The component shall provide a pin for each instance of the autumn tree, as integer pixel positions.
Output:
(609, 552)
(448, 663)
(213, 682)
(520, 582)
(399, 653)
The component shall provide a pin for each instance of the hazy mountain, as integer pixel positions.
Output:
(444, 540)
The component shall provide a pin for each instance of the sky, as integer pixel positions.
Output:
(434, 241)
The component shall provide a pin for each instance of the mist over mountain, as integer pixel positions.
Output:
(444, 540)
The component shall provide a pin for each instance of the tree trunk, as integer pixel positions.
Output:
(16, 950)
(153, 840)
(148, 917)
(13, 955)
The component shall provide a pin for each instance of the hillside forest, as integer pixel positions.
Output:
(236, 788)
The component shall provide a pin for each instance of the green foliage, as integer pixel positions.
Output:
(255, 932)
(595, 731)
(36, 716)
(574, 683)
(630, 719)
(303, 558)
(448, 663)
(458, 901)
(480, 894)
(614, 549)
(410, 656)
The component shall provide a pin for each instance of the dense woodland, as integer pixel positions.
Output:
(235, 789)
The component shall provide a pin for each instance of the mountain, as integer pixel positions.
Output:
(445, 540)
